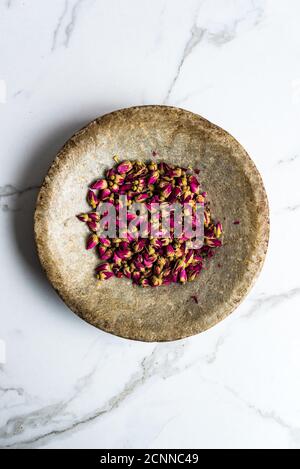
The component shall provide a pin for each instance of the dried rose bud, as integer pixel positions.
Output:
(93, 226)
(166, 272)
(103, 267)
(183, 276)
(139, 245)
(119, 179)
(139, 172)
(84, 217)
(100, 184)
(167, 168)
(167, 191)
(141, 198)
(162, 261)
(127, 272)
(154, 199)
(165, 241)
(163, 184)
(206, 218)
(94, 216)
(214, 243)
(125, 188)
(139, 267)
(124, 244)
(117, 260)
(153, 178)
(115, 188)
(92, 241)
(177, 192)
(152, 166)
(180, 264)
(111, 174)
(124, 253)
(105, 242)
(104, 194)
(151, 250)
(170, 251)
(107, 255)
(200, 199)
(132, 236)
(124, 167)
(194, 185)
(187, 196)
(111, 200)
(218, 230)
(189, 257)
(183, 181)
(101, 250)
(140, 259)
(167, 281)
(149, 260)
(92, 199)
(136, 276)
(175, 173)
(145, 283)
(193, 273)
(197, 258)
(160, 267)
(156, 281)
(131, 216)
(157, 243)
(102, 276)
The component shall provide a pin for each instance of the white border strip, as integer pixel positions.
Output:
(3, 92)
(2, 352)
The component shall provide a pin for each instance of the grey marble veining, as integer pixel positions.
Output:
(8, 190)
(159, 362)
(67, 22)
(217, 36)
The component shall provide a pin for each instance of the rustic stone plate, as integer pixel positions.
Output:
(234, 188)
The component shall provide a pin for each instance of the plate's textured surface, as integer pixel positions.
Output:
(235, 190)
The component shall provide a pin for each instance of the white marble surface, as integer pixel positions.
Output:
(65, 384)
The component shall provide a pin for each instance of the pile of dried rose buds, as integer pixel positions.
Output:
(149, 261)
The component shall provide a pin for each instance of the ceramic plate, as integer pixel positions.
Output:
(235, 190)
